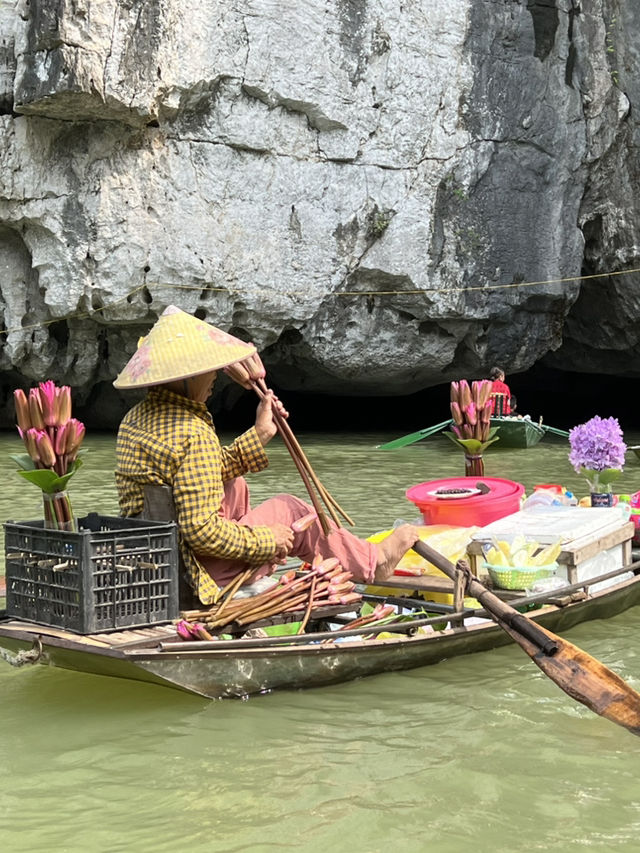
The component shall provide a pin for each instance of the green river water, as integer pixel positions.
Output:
(477, 753)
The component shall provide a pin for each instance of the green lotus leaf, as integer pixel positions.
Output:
(23, 460)
(47, 480)
(472, 445)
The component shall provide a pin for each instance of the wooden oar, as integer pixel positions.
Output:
(580, 676)
(555, 431)
(404, 440)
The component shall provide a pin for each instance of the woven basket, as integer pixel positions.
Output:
(518, 577)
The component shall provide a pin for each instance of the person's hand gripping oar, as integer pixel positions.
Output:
(580, 676)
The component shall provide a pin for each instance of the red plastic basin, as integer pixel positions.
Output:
(503, 498)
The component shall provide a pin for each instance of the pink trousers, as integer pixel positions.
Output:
(355, 555)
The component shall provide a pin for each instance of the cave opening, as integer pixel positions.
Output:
(563, 399)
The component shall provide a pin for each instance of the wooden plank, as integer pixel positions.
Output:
(575, 553)
(46, 631)
(118, 638)
(428, 583)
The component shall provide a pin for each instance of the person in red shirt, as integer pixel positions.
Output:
(499, 386)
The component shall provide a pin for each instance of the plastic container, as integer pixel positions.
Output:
(503, 498)
(113, 573)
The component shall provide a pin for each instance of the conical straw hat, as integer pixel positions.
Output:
(177, 347)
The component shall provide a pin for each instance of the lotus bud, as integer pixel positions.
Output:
(74, 436)
(60, 444)
(465, 394)
(35, 409)
(63, 405)
(30, 443)
(302, 523)
(22, 410)
(471, 414)
(239, 374)
(485, 413)
(467, 430)
(485, 391)
(475, 392)
(48, 402)
(257, 370)
(456, 431)
(456, 414)
(45, 449)
(455, 392)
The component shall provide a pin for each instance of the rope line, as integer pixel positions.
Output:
(203, 288)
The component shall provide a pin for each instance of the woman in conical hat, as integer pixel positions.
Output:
(169, 439)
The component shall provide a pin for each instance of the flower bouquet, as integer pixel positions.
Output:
(471, 429)
(52, 439)
(597, 452)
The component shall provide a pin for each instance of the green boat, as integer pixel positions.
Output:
(514, 432)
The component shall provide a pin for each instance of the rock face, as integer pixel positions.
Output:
(383, 195)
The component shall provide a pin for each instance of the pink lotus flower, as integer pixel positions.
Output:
(52, 439)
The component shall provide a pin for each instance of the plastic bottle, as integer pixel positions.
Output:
(541, 498)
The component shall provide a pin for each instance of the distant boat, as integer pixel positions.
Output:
(514, 432)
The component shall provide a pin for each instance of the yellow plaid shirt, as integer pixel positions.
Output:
(167, 439)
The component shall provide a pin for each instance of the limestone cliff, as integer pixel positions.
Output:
(364, 188)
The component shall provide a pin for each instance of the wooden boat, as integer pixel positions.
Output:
(252, 665)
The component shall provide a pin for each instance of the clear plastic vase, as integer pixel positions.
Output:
(58, 514)
(473, 465)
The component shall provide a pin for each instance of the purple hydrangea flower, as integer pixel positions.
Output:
(597, 445)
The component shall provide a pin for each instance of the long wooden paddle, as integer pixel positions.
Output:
(580, 676)
(555, 431)
(404, 440)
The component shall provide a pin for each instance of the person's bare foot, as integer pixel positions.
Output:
(392, 549)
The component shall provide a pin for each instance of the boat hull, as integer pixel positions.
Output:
(233, 673)
(516, 432)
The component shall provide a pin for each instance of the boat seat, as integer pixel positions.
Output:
(499, 404)
(159, 506)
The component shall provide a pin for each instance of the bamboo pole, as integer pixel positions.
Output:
(261, 389)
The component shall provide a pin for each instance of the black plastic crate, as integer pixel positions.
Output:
(113, 573)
